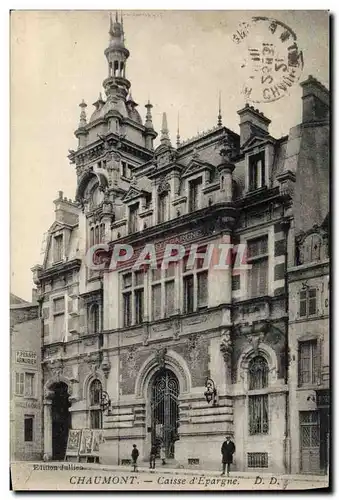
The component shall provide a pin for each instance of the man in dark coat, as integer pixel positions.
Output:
(135, 454)
(227, 450)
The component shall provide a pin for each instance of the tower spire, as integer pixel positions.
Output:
(178, 133)
(219, 114)
(82, 122)
(164, 139)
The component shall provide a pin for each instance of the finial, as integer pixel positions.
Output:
(110, 24)
(164, 139)
(83, 106)
(219, 115)
(116, 16)
(148, 121)
(178, 133)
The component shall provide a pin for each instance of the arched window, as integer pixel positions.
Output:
(93, 322)
(258, 373)
(257, 400)
(97, 196)
(95, 392)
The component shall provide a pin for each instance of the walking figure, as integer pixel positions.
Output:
(152, 457)
(227, 450)
(135, 454)
(163, 455)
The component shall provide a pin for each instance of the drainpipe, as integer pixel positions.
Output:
(287, 443)
(42, 427)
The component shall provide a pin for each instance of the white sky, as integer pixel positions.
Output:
(179, 60)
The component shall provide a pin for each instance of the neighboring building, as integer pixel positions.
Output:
(308, 276)
(153, 338)
(25, 385)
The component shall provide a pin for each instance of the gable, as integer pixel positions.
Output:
(256, 141)
(195, 166)
(131, 194)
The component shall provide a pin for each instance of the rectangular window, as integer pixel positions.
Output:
(29, 384)
(189, 293)
(19, 384)
(96, 419)
(139, 306)
(169, 298)
(133, 298)
(156, 301)
(258, 414)
(195, 192)
(59, 305)
(202, 279)
(163, 206)
(257, 171)
(58, 326)
(57, 248)
(236, 282)
(133, 218)
(257, 460)
(308, 302)
(308, 362)
(127, 308)
(257, 253)
(28, 427)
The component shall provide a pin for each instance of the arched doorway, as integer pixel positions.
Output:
(61, 420)
(165, 411)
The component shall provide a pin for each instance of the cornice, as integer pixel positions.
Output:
(61, 267)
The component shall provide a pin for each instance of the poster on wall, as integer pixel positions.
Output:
(73, 442)
(86, 442)
(98, 438)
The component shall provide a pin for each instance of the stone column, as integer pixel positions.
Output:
(47, 430)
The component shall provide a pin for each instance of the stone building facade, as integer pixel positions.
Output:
(160, 341)
(25, 380)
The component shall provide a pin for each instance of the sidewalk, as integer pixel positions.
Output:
(200, 472)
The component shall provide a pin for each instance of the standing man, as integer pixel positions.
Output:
(227, 450)
(135, 454)
(152, 456)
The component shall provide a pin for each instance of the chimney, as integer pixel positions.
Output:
(316, 100)
(66, 210)
(252, 122)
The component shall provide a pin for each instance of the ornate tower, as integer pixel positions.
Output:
(116, 84)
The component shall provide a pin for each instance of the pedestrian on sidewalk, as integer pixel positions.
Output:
(152, 456)
(227, 451)
(135, 454)
(163, 455)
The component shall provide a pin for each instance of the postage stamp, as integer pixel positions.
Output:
(273, 61)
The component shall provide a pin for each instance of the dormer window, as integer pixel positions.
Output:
(195, 191)
(163, 206)
(125, 170)
(133, 218)
(257, 171)
(58, 248)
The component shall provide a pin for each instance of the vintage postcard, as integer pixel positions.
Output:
(177, 244)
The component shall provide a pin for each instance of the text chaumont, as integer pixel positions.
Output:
(102, 479)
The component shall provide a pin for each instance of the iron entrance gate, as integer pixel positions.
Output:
(165, 411)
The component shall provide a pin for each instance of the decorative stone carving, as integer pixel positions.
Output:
(194, 342)
(56, 368)
(164, 186)
(93, 359)
(226, 344)
(176, 326)
(145, 337)
(105, 364)
(161, 357)
(132, 360)
(256, 340)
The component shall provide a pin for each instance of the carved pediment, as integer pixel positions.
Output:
(131, 194)
(194, 166)
(254, 142)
